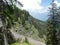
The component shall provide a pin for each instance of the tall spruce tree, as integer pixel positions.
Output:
(52, 25)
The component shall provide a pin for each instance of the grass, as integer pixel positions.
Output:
(19, 43)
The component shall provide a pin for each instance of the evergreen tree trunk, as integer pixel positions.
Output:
(3, 22)
(4, 29)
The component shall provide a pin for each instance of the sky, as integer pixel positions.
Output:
(38, 8)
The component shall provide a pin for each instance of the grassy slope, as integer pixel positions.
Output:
(19, 43)
(33, 28)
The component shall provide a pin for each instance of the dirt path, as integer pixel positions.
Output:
(35, 42)
(32, 41)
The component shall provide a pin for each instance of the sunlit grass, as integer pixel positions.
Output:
(18, 43)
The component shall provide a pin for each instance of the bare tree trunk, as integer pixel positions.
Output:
(4, 30)
(5, 40)
(2, 16)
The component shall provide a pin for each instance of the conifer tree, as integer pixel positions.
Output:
(51, 30)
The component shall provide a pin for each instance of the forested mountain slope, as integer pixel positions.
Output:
(29, 26)
(21, 22)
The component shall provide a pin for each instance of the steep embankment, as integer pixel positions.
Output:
(39, 25)
(30, 40)
(29, 26)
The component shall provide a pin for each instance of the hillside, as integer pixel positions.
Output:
(21, 22)
(39, 25)
(31, 27)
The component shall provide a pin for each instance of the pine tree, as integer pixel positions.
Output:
(51, 30)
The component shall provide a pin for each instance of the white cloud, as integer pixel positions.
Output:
(31, 4)
(58, 4)
(34, 6)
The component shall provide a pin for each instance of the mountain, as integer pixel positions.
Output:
(39, 25)
(29, 26)
(24, 24)
(41, 16)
